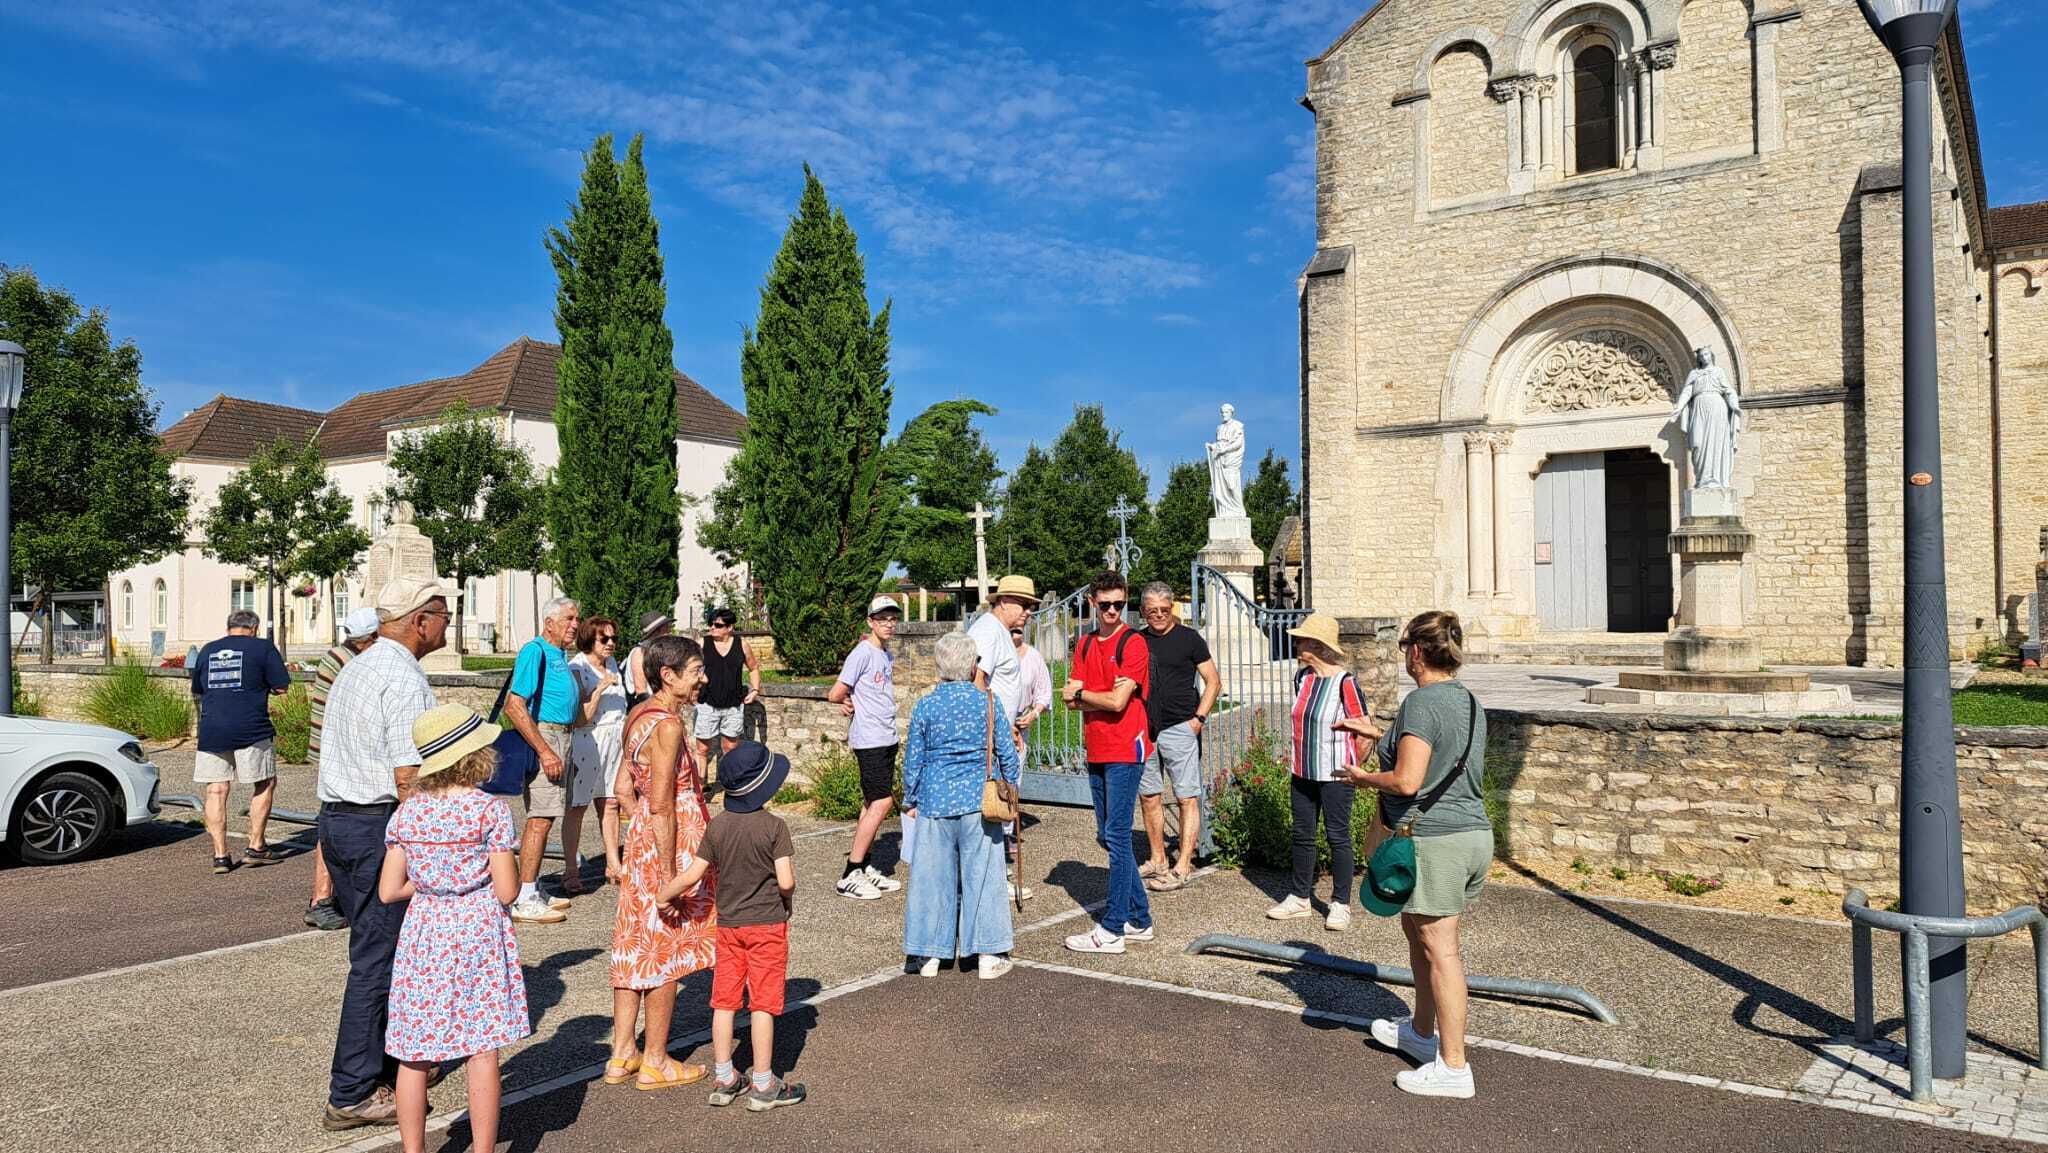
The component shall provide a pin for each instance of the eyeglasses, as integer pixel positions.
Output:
(435, 613)
(1117, 605)
(1157, 610)
(607, 640)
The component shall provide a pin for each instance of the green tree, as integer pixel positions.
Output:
(92, 492)
(810, 504)
(473, 493)
(612, 513)
(946, 468)
(1178, 527)
(331, 543)
(1055, 524)
(1268, 500)
(281, 517)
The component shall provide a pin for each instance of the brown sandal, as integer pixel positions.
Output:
(619, 1070)
(669, 1076)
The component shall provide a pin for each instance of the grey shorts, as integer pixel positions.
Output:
(251, 766)
(1176, 755)
(546, 798)
(1449, 872)
(719, 722)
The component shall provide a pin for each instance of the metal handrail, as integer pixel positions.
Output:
(1914, 930)
(1396, 975)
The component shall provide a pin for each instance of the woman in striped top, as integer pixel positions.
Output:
(1324, 694)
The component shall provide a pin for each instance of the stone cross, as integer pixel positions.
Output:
(980, 516)
(1127, 553)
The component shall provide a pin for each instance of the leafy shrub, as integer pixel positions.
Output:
(292, 716)
(1254, 811)
(153, 708)
(790, 795)
(835, 785)
(26, 704)
(1687, 885)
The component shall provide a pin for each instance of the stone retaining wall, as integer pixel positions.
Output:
(1808, 803)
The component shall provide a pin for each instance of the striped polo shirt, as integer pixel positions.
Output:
(1319, 750)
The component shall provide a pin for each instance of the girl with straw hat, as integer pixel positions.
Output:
(456, 989)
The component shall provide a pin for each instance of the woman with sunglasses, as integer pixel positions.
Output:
(595, 745)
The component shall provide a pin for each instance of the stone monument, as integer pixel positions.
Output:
(402, 550)
(1712, 663)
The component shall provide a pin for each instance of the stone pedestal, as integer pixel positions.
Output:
(402, 550)
(1233, 625)
(1713, 665)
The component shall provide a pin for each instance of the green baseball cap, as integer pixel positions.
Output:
(1389, 877)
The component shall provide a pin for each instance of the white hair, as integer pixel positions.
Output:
(553, 608)
(956, 654)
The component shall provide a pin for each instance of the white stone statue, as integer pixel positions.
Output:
(1226, 466)
(1710, 415)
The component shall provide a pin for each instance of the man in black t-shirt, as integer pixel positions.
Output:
(1185, 685)
(233, 680)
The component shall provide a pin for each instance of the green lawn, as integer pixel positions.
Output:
(2002, 705)
(781, 677)
(480, 663)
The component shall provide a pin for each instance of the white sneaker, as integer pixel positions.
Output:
(1132, 933)
(881, 882)
(1435, 1079)
(993, 966)
(1292, 909)
(1339, 918)
(1096, 940)
(857, 886)
(1402, 1037)
(535, 911)
(1013, 892)
(930, 968)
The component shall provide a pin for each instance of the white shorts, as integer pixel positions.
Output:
(250, 766)
(594, 755)
(720, 722)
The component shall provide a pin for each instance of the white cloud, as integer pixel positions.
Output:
(1180, 319)
(972, 155)
(1264, 31)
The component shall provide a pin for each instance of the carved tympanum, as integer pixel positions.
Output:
(1596, 369)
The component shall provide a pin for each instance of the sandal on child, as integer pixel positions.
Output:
(669, 1076)
(619, 1070)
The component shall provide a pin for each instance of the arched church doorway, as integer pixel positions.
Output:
(1602, 562)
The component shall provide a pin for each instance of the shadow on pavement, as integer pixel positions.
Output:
(124, 842)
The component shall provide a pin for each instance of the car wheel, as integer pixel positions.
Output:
(64, 817)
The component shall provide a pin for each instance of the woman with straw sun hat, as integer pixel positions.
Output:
(1322, 757)
(456, 989)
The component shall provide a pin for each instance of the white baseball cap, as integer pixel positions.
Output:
(407, 595)
(881, 605)
(359, 624)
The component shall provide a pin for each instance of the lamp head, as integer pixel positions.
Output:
(13, 363)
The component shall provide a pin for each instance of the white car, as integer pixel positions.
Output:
(65, 788)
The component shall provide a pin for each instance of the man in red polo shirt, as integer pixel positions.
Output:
(1110, 681)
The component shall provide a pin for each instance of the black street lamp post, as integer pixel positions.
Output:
(1930, 819)
(13, 358)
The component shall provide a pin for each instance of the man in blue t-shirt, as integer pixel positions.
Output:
(542, 704)
(233, 680)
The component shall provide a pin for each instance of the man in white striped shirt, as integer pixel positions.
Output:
(367, 765)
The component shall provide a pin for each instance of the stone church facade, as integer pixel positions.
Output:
(1530, 216)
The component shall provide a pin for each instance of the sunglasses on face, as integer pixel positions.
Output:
(607, 640)
(1117, 605)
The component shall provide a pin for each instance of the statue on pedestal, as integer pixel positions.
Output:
(402, 550)
(1709, 413)
(1226, 466)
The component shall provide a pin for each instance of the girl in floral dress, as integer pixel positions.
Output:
(658, 943)
(456, 989)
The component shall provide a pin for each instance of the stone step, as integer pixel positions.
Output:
(1626, 650)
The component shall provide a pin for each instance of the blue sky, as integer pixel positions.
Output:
(299, 199)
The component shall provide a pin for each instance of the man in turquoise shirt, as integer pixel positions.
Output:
(542, 705)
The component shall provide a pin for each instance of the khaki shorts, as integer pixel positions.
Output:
(546, 798)
(250, 766)
(1450, 869)
(1176, 756)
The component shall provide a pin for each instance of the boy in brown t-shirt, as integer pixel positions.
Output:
(754, 887)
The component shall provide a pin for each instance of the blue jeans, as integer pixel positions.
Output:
(353, 845)
(958, 900)
(1114, 788)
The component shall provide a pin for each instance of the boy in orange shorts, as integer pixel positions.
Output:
(749, 847)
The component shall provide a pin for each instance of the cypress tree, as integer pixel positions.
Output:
(810, 499)
(613, 514)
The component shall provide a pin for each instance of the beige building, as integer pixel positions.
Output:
(1531, 213)
(185, 598)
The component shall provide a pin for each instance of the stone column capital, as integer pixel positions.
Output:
(1500, 440)
(1658, 57)
(1477, 440)
(1543, 85)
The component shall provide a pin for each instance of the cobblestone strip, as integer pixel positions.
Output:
(387, 1138)
(2025, 1119)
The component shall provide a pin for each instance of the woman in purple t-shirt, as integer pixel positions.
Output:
(866, 693)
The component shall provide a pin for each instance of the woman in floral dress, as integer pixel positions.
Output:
(657, 943)
(456, 990)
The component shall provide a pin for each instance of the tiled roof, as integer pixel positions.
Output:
(519, 378)
(229, 428)
(2019, 226)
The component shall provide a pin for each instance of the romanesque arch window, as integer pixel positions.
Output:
(1593, 130)
(163, 604)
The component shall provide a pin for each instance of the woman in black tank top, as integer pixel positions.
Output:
(724, 675)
